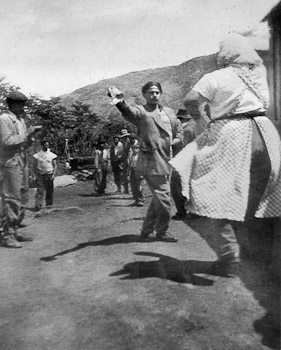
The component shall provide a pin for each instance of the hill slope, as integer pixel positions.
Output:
(175, 80)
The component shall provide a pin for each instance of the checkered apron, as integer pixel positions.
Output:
(215, 169)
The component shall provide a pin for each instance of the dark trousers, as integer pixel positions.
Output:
(117, 174)
(126, 177)
(176, 192)
(101, 179)
(136, 186)
(45, 184)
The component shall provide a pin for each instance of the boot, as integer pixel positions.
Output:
(10, 242)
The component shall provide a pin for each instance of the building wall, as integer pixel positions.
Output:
(274, 71)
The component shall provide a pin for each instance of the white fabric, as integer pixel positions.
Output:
(237, 49)
(133, 155)
(224, 87)
(215, 170)
(64, 180)
(45, 161)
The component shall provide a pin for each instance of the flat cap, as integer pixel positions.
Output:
(16, 96)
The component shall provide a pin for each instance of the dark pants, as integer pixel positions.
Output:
(176, 192)
(45, 184)
(101, 179)
(126, 177)
(136, 186)
(117, 174)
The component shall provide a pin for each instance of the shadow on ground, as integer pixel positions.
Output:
(108, 241)
(255, 273)
(168, 268)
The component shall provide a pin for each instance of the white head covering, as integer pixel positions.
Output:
(236, 49)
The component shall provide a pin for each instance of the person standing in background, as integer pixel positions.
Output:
(116, 152)
(15, 138)
(101, 164)
(189, 126)
(45, 168)
(124, 136)
(135, 179)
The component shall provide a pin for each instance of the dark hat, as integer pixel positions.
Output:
(16, 96)
(182, 114)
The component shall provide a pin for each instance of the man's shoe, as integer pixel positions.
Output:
(10, 242)
(166, 238)
(21, 238)
(178, 216)
(144, 237)
(138, 204)
(21, 225)
(133, 204)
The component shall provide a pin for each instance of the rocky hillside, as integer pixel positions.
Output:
(175, 80)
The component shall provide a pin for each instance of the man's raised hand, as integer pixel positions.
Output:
(115, 94)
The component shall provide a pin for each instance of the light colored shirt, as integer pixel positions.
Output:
(168, 128)
(223, 88)
(45, 161)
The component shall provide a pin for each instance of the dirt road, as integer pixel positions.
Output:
(85, 282)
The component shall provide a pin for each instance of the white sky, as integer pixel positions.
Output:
(52, 47)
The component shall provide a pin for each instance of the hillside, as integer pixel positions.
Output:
(175, 80)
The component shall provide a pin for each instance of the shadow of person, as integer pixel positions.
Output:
(254, 272)
(167, 268)
(108, 241)
(94, 194)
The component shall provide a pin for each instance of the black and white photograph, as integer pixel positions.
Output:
(140, 174)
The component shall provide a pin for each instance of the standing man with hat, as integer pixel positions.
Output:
(116, 151)
(125, 166)
(159, 132)
(14, 139)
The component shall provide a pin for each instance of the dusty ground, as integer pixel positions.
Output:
(85, 282)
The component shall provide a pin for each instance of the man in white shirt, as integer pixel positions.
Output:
(45, 167)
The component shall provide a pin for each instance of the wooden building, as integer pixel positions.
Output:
(274, 70)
